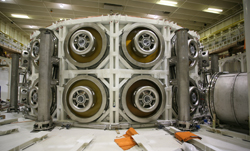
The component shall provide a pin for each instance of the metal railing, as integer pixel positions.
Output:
(226, 38)
(8, 42)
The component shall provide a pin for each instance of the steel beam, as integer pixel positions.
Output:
(14, 83)
(44, 120)
(214, 63)
(183, 77)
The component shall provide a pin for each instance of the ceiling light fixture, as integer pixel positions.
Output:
(61, 5)
(31, 26)
(3, 0)
(61, 19)
(168, 3)
(213, 10)
(19, 16)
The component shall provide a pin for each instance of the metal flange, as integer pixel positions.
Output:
(138, 94)
(85, 45)
(153, 44)
(84, 98)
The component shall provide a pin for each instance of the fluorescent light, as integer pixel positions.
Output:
(3, 0)
(168, 3)
(19, 16)
(31, 26)
(61, 5)
(61, 19)
(215, 9)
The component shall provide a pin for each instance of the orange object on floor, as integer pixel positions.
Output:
(127, 142)
(185, 136)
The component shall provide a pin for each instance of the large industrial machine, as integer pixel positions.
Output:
(117, 71)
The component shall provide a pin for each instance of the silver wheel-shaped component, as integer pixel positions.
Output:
(81, 98)
(193, 49)
(145, 43)
(138, 94)
(35, 47)
(33, 97)
(84, 98)
(85, 45)
(146, 99)
(194, 96)
(82, 42)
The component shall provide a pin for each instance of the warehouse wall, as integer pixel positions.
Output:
(222, 25)
(18, 36)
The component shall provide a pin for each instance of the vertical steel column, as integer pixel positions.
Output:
(14, 83)
(246, 8)
(44, 120)
(183, 77)
(214, 63)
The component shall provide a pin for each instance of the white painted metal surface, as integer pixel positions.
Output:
(4, 130)
(99, 139)
(114, 67)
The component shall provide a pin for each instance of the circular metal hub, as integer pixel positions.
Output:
(82, 43)
(142, 45)
(193, 49)
(194, 96)
(35, 47)
(143, 98)
(81, 98)
(85, 45)
(84, 98)
(146, 99)
(145, 43)
(33, 97)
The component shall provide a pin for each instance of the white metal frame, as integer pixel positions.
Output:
(114, 67)
(240, 57)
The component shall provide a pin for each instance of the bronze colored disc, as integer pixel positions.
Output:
(130, 101)
(131, 52)
(97, 100)
(98, 47)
